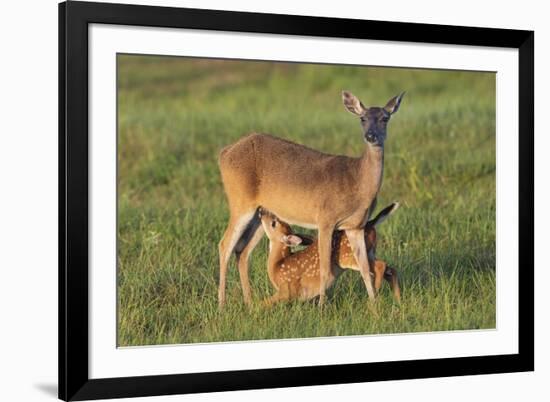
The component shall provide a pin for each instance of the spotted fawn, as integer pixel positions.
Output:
(295, 275)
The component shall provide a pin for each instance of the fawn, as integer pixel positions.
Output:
(296, 275)
(304, 187)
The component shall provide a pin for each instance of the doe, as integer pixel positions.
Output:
(305, 187)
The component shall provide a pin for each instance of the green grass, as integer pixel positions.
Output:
(174, 116)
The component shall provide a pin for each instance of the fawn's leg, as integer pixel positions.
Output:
(379, 271)
(393, 279)
(356, 239)
(269, 301)
(282, 294)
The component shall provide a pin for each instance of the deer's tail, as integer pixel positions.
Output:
(382, 215)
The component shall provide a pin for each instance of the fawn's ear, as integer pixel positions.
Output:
(393, 104)
(306, 240)
(291, 240)
(353, 104)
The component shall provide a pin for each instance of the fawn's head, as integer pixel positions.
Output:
(374, 120)
(278, 231)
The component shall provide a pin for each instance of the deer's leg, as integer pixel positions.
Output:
(372, 208)
(250, 239)
(356, 239)
(234, 231)
(325, 260)
(391, 276)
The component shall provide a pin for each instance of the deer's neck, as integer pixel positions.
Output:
(371, 169)
(278, 252)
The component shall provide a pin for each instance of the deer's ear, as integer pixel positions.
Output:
(306, 240)
(393, 104)
(352, 103)
(291, 240)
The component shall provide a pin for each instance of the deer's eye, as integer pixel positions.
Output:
(385, 119)
(273, 224)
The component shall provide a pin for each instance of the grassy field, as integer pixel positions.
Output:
(175, 114)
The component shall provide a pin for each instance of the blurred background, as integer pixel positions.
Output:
(175, 114)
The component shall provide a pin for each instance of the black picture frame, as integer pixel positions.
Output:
(74, 381)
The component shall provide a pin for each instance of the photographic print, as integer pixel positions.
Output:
(254, 200)
(261, 200)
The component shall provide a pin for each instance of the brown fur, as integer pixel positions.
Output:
(302, 186)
